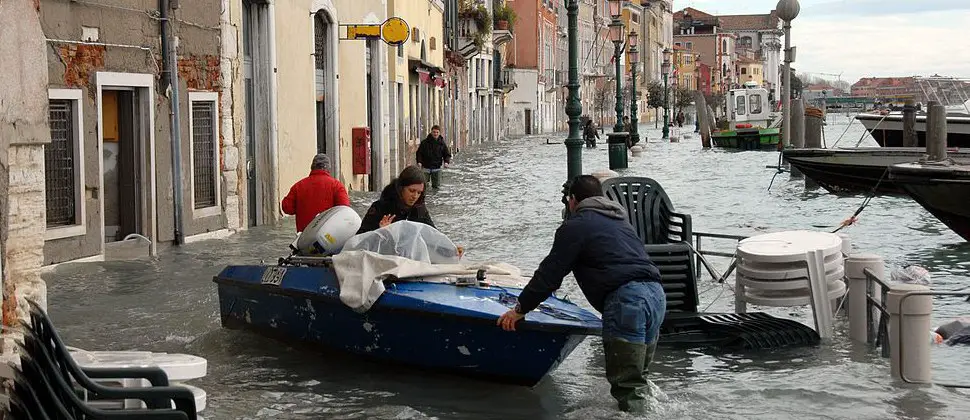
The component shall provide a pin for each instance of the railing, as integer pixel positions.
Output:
(879, 334)
(702, 263)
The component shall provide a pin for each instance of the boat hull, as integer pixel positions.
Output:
(888, 130)
(747, 139)
(857, 170)
(403, 330)
(944, 191)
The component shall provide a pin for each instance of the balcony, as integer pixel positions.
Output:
(505, 81)
(474, 26)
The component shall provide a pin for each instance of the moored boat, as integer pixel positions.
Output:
(858, 169)
(942, 189)
(887, 129)
(749, 125)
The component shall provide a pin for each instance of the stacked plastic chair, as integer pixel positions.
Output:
(793, 268)
(47, 380)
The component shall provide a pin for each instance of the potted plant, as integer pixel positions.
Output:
(504, 16)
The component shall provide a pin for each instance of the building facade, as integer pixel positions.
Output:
(115, 185)
(532, 58)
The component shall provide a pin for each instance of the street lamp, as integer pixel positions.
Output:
(617, 139)
(634, 54)
(574, 108)
(665, 71)
(787, 12)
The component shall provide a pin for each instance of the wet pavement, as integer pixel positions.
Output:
(502, 201)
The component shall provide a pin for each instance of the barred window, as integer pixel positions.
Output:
(59, 161)
(205, 158)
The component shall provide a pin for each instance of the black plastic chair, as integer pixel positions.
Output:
(43, 344)
(649, 210)
(57, 398)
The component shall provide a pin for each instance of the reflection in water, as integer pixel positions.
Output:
(503, 203)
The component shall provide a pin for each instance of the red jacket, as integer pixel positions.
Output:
(313, 195)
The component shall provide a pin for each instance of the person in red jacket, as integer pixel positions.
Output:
(315, 194)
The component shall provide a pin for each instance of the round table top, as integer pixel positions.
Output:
(178, 367)
(788, 246)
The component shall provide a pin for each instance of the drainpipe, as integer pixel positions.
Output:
(273, 98)
(170, 75)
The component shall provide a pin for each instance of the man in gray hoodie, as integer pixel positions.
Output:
(599, 246)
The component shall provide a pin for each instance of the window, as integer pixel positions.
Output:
(755, 101)
(64, 165)
(744, 70)
(690, 46)
(204, 129)
(740, 105)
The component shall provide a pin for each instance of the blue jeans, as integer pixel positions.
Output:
(634, 312)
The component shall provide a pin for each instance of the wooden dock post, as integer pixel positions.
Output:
(702, 118)
(798, 124)
(909, 124)
(797, 136)
(935, 131)
(814, 117)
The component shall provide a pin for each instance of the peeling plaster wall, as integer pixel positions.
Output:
(23, 134)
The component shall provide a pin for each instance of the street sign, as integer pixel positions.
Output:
(394, 31)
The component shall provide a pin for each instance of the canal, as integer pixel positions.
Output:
(502, 201)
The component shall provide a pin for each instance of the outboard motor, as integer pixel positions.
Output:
(328, 232)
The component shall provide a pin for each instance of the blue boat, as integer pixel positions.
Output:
(437, 326)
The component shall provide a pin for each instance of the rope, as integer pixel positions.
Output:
(863, 136)
(851, 220)
(780, 170)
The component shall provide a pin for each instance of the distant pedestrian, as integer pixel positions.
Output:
(314, 194)
(680, 118)
(432, 155)
(590, 134)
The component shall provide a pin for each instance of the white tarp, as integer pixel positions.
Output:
(361, 274)
(408, 239)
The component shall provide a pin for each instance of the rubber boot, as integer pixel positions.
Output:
(626, 370)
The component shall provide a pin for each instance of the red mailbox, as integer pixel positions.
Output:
(361, 148)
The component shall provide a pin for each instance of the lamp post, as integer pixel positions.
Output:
(787, 12)
(665, 71)
(574, 108)
(617, 139)
(634, 54)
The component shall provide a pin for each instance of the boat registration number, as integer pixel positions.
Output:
(273, 276)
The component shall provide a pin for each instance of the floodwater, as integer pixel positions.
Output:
(502, 201)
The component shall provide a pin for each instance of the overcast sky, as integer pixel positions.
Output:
(860, 38)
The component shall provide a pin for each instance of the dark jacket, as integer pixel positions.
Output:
(433, 152)
(391, 203)
(313, 195)
(600, 247)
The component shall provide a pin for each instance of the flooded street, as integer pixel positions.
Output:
(502, 202)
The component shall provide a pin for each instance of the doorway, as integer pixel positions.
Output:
(260, 180)
(122, 153)
(126, 164)
(528, 122)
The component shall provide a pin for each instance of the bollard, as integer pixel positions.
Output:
(910, 139)
(909, 320)
(636, 151)
(855, 267)
(604, 174)
(935, 131)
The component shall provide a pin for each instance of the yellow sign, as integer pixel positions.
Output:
(394, 31)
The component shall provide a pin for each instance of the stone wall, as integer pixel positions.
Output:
(23, 134)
